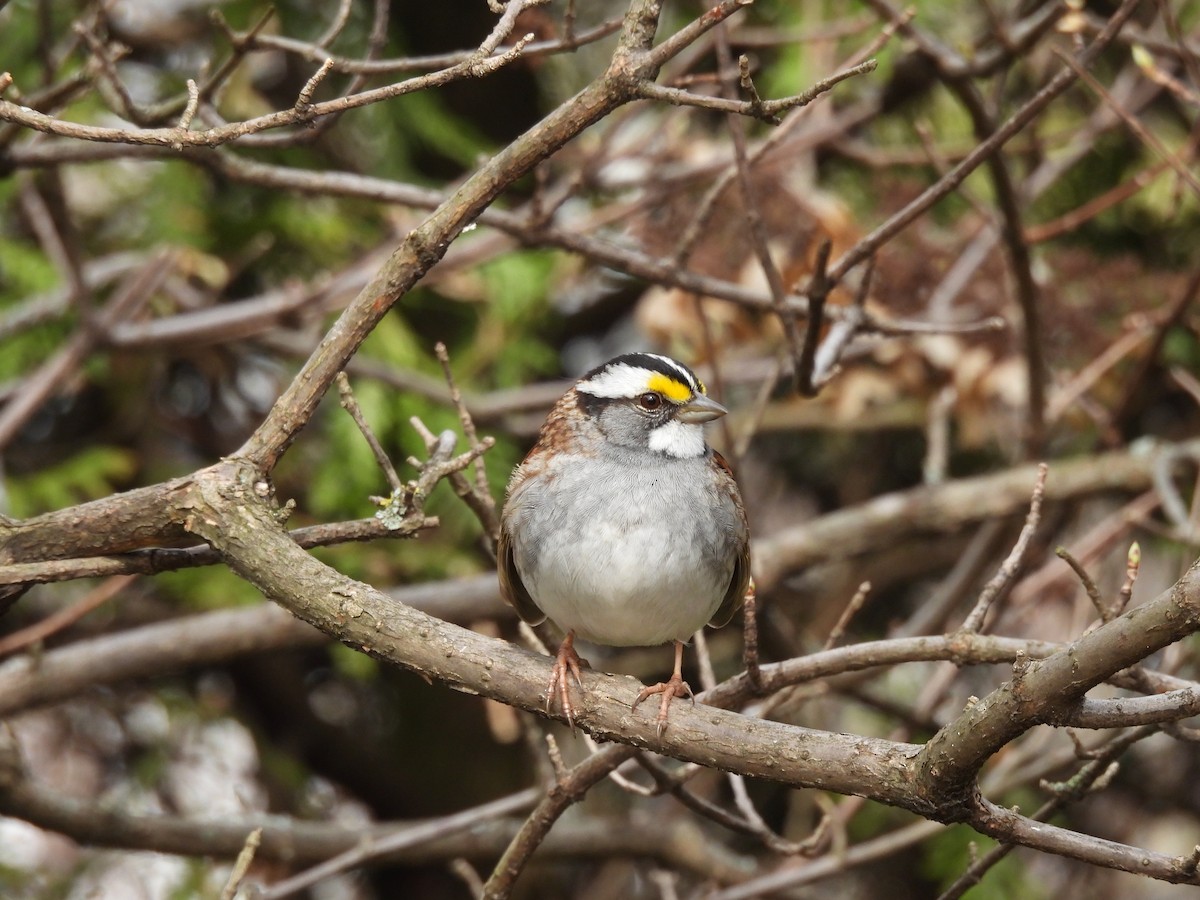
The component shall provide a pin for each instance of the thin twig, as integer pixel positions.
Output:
(877, 849)
(304, 98)
(945, 598)
(1082, 783)
(765, 110)
(1089, 209)
(134, 291)
(107, 64)
(708, 676)
(155, 561)
(750, 637)
(340, 18)
(193, 103)
(1124, 409)
(855, 321)
(852, 608)
(772, 841)
(242, 864)
(350, 404)
(947, 184)
(1141, 131)
(752, 418)
(1093, 592)
(466, 873)
(1173, 505)
(746, 80)
(483, 490)
(375, 848)
(937, 436)
(818, 292)
(708, 205)
(1133, 561)
(759, 239)
(244, 131)
(672, 783)
(953, 71)
(55, 623)
(483, 505)
(1138, 330)
(370, 66)
(1186, 380)
(568, 791)
(43, 203)
(1012, 564)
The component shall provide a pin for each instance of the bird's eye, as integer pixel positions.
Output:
(650, 401)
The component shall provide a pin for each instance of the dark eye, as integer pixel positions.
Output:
(650, 401)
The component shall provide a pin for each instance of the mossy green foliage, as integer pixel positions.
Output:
(950, 853)
(87, 475)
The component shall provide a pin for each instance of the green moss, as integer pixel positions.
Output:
(945, 856)
(88, 475)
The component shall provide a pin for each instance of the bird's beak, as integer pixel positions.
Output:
(700, 409)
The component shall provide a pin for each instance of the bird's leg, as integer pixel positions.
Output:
(566, 660)
(674, 687)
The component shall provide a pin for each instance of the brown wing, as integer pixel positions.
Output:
(512, 588)
(740, 581)
(558, 432)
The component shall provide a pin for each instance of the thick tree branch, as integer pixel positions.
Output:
(937, 780)
(152, 562)
(949, 763)
(226, 513)
(232, 508)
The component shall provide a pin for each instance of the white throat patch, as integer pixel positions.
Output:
(678, 439)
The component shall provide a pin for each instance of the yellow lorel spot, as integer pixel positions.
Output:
(669, 387)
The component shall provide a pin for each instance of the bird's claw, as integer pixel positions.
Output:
(673, 687)
(566, 660)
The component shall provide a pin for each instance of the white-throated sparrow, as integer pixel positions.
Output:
(622, 525)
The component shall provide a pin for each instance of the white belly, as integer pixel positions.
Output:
(630, 566)
(644, 587)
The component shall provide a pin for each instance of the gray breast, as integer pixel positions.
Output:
(581, 498)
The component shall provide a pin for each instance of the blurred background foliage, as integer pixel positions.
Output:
(326, 731)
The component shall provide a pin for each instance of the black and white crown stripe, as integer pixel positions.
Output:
(626, 375)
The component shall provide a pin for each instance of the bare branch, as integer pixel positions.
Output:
(597, 200)
(852, 608)
(242, 864)
(372, 849)
(299, 114)
(944, 508)
(134, 292)
(1089, 585)
(945, 185)
(766, 110)
(1141, 131)
(350, 404)
(566, 792)
(480, 498)
(19, 640)
(1012, 564)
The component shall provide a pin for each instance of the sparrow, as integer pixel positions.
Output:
(622, 525)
